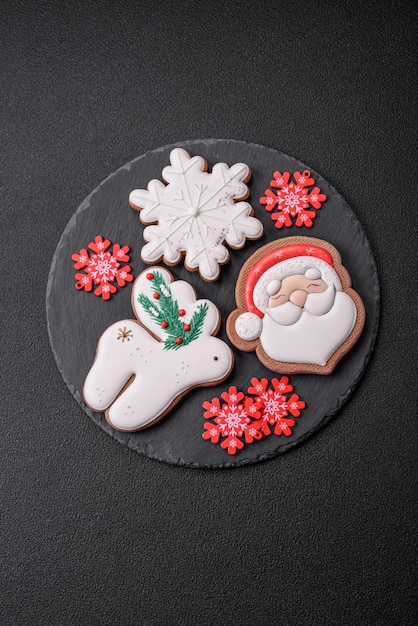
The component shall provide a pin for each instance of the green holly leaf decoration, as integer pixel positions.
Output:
(165, 311)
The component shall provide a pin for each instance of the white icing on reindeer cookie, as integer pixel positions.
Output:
(196, 213)
(138, 376)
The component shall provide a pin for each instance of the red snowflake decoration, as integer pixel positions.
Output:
(245, 419)
(293, 200)
(275, 406)
(233, 421)
(102, 268)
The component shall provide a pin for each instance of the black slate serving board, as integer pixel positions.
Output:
(76, 319)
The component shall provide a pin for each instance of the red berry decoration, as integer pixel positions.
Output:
(164, 311)
(150, 276)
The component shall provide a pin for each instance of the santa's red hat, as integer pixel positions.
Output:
(265, 276)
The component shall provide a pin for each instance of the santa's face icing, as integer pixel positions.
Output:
(295, 305)
(293, 295)
(300, 324)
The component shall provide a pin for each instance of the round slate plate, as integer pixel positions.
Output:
(76, 319)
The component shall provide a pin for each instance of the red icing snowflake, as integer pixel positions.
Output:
(233, 421)
(249, 419)
(275, 405)
(293, 199)
(103, 268)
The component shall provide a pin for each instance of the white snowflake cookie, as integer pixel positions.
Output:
(196, 213)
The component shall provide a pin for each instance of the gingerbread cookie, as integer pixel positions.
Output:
(296, 307)
(143, 367)
(196, 214)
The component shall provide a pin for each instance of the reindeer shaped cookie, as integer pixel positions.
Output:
(143, 368)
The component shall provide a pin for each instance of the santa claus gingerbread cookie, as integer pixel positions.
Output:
(143, 367)
(296, 307)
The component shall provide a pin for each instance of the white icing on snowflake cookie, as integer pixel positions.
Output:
(143, 368)
(196, 213)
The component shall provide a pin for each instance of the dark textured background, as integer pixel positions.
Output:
(94, 533)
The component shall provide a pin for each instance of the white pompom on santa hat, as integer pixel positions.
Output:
(265, 278)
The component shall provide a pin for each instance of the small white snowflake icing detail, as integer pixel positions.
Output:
(196, 213)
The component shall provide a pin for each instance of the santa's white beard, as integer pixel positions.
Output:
(320, 303)
(312, 337)
(286, 314)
